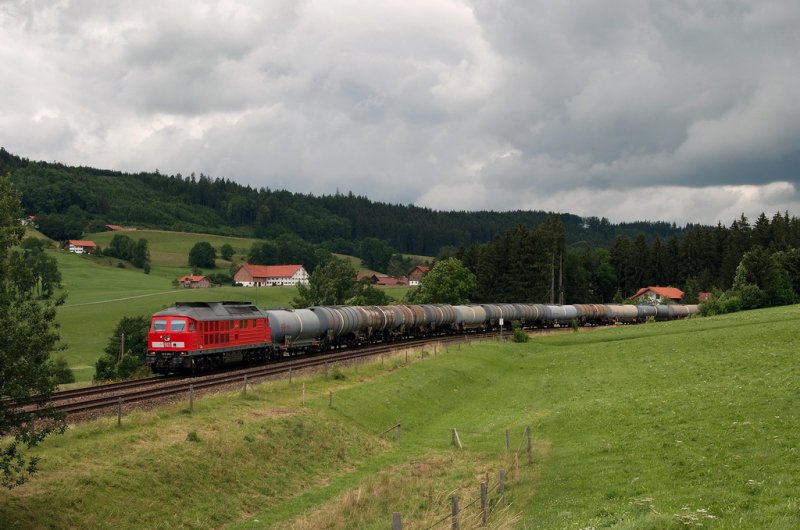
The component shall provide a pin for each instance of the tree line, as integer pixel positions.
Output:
(536, 264)
(69, 201)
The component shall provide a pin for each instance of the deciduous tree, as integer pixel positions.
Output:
(27, 337)
(203, 255)
(331, 284)
(448, 282)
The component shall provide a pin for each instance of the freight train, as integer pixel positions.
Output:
(203, 336)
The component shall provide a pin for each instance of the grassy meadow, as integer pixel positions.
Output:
(689, 424)
(100, 292)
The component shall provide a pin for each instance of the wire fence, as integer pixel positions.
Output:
(463, 515)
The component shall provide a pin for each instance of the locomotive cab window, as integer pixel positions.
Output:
(177, 325)
(159, 325)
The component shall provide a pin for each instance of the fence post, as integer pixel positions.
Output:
(397, 522)
(119, 411)
(303, 396)
(454, 505)
(244, 388)
(191, 398)
(484, 495)
(502, 499)
(530, 446)
(456, 439)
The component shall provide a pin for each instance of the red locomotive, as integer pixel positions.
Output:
(203, 336)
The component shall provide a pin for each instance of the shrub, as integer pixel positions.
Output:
(519, 333)
(62, 373)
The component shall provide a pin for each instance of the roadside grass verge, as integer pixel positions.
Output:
(668, 425)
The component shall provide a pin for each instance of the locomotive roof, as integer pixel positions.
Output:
(213, 310)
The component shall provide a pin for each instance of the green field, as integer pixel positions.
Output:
(689, 424)
(100, 293)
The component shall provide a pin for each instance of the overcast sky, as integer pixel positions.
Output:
(678, 110)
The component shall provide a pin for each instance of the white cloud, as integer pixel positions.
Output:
(594, 109)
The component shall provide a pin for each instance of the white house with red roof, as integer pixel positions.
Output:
(79, 246)
(267, 275)
(658, 295)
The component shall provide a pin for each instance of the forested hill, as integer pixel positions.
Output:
(81, 198)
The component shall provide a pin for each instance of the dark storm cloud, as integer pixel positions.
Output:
(587, 107)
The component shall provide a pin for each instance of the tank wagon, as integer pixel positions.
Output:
(202, 336)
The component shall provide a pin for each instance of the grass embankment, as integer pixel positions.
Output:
(673, 425)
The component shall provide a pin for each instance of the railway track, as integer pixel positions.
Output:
(100, 398)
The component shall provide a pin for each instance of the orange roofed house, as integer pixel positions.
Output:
(194, 282)
(265, 275)
(416, 274)
(658, 295)
(81, 247)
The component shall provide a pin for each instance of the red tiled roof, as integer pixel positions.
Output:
(385, 280)
(272, 271)
(81, 243)
(664, 292)
(192, 279)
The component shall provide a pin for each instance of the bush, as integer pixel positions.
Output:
(519, 333)
(721, 303)
(105, 369)
(62, 373)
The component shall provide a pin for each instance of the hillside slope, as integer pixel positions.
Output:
(665, 425)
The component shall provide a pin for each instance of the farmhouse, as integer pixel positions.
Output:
(416, 274)
(194, 282)
(382, 280)
(658, 295)
(81, 247)
(266, 275)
